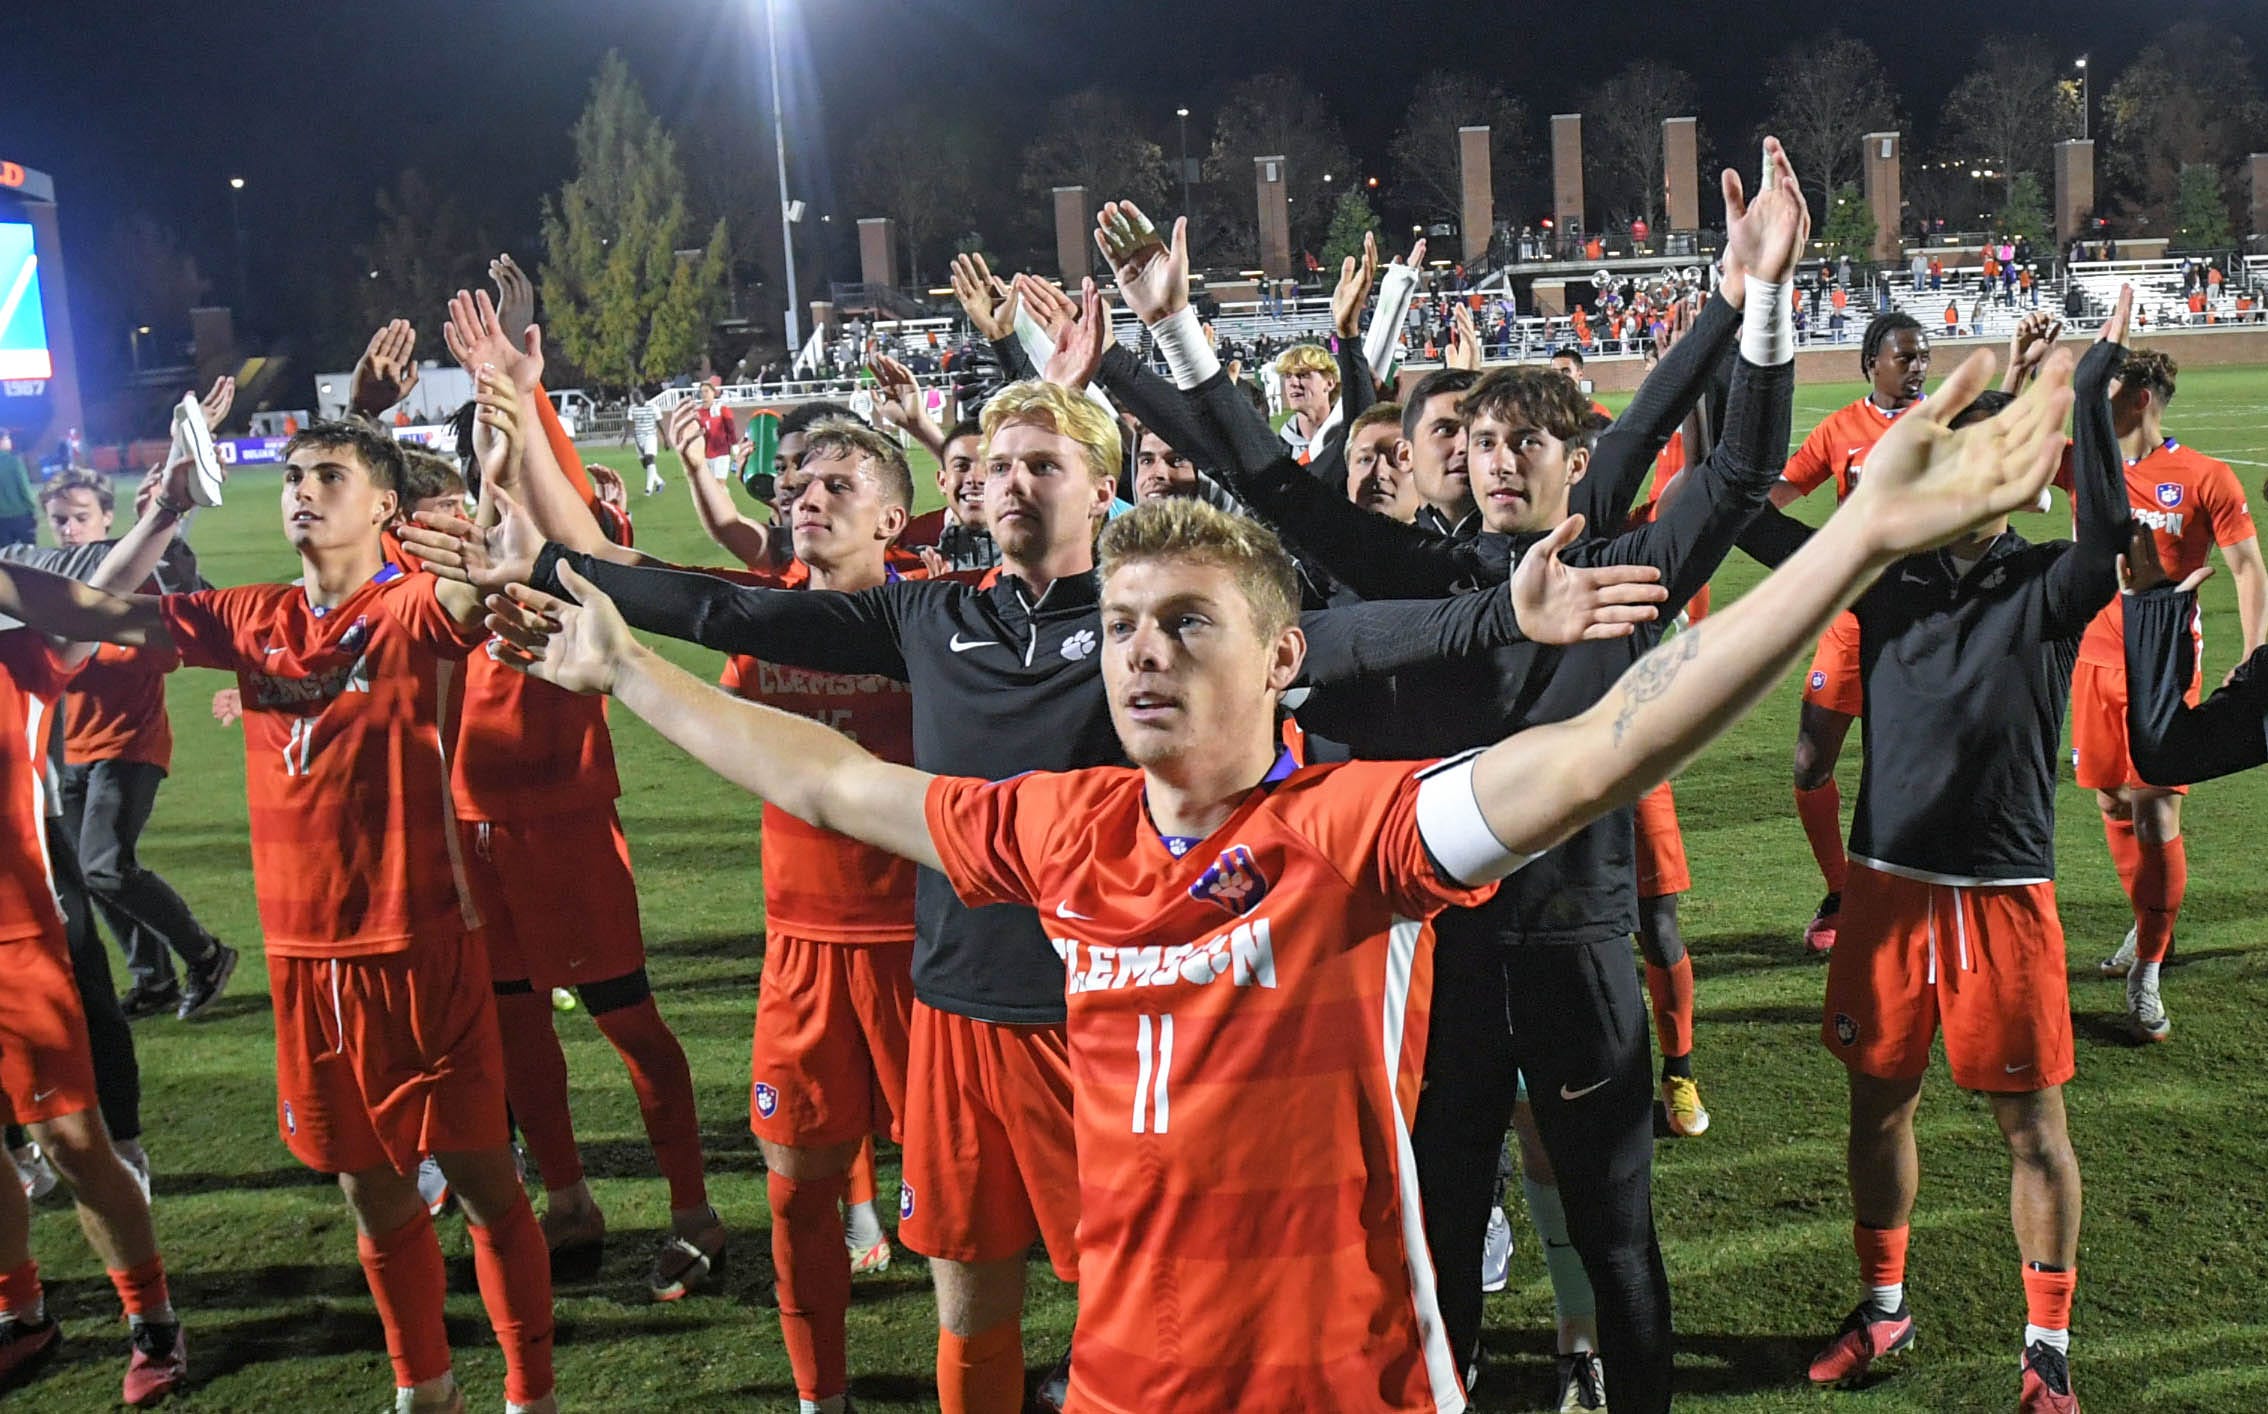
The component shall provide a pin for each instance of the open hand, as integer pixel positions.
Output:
(1765, 235)
(475, 335)
(1048, 304)
(386, 372)
(1464, 341)
(1558, 603)
(991, 311)
(1079, 348)
(897, 398)
(496, 429)
(682, 430)
(485, 557)
(2140, 568)
(216, 403)
(578, 644)
(1356, 275)
(1153, 276)
(515, 295)
(228, 706)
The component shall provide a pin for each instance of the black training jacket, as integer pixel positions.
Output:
(2173, 743)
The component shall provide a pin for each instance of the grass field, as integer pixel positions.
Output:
(1753, 1217)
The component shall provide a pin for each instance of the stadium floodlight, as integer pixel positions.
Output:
(779, 152)
(2086, 108)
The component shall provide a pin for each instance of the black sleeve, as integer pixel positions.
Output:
(1698, 528)
(1627, 449)
(1374, 556)
(2079, 583)
(1366, 640)
(1159, 406)
(1773, 536)
(1014, 360)
(2172, 742)
(822, 629)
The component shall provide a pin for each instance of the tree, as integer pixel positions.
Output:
(424, 250)
(622, 299)
(158, 282)
(1826, 93)
(913, 168)
(1350, 219)
(2010, 110)
(1278, 115)
(2026, 214)
(1092, 139)
(2189, 97)
(1622, 134)
(1849, 228)
(1427, 164)
(2201, 213)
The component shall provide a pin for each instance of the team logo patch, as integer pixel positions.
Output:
(767, 1100)
(1079, 645)
(290, 1120)
(905, 1201)
(2169, 494)
(1818, 680)
(1234, 882)
(356, 636)
(1846, 1029)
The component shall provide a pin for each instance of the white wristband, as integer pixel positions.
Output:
(1455, 832)
(1181, 338)
(1767, 323)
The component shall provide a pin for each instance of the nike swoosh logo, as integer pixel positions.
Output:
(960, 647)
(1063, 910)
(271, 652)
(1567, 1094)
(41, 1096)
(2017, 1069)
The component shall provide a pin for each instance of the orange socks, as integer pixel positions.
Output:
(664, 1083)
(408, 1284)
(2125, 851)
(1882, 1263)
(1821, 811)
(20, 1294)
(535, 1082)
(141, 1290)
(514, 1270)
(814, 1280)
(1671, 988)
(983, 1374)
(2159, 883)
(2047, 1304)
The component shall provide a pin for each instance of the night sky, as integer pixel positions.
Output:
(153, 106)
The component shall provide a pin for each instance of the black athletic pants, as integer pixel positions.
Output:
(1572, 1019)
(106, 804)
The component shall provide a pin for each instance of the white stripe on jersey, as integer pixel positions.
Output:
(1440, 1364)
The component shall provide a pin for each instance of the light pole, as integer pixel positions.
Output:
(2086, 109)
(134, 338)
(236, 215)
(1183, 115)
(779, 146)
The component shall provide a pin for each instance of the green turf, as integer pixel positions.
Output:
(1753, 1217)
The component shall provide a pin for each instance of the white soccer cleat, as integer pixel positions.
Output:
(2120, 963)
(137, 1161)
(2145, 1009)
(190, 430)
(37, 1173)
(1496, 1252)
(432, 1185)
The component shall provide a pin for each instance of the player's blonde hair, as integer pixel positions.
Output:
(1063, 412)
(1308, 358)
(1186, 529)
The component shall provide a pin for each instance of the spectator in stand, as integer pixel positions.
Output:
(1919, 269)
(1952, 318)
(1936, 273)
(1638, 233)
(19, 519)
(717, 430)
(1582, 322)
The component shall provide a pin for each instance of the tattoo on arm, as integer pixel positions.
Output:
(1652, 677)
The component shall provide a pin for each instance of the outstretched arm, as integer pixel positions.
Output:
(812, 772)
(65, 609)
(2081, 582)
(2175, 744)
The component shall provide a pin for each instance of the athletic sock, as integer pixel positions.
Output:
(21, 1296)
(535, 1084)
(141, 1290)
(1882, 1264)
(514, 1271)
(408, 1285)
(983, 1373)
(863, 1226)
(1571, 1294)
(2125, 857)
(2047, 1305)
(1671, 989)
(813, 1279)
(1821, 810)
(664, 1084)
(2159, 883)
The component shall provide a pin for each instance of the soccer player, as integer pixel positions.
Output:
(1378, 464)
(2176, 740)
(117, 748)
(386, 1042)
(645, 422)
(1950, 922)
(1245, 954)
(1568, 359)
(1004, 679)
(2191, 503)
(1894, 356)
(717, 431)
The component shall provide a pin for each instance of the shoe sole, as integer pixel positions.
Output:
(2110, 969)
(2148, 1037)
(689, 1283)
(186, 1012)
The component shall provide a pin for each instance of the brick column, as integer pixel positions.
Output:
(1269, 188)
(1074, 235)
(1681, 174)
(878, 251)
(1477, 211)
(1567, 171)
(1879, 153)
(2259, 166)
(2074, 189)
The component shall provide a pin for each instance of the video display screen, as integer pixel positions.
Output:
(23, 321)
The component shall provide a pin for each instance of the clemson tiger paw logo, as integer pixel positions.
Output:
(1234, 881)
(1078, 645)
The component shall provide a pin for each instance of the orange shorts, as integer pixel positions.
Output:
(1661, 845)
(46, 1070)
(1984, 964)
(2099, 754)
(383, 1060)
(1833, 681)
(829, 1060)
(556, 901)
(989, 1163)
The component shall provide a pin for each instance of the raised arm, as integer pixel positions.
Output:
(66, 609)
(1926, 485)
(2173, 743)
(743, 537)
(812, 772)
(2081, 582)
(1627, 449)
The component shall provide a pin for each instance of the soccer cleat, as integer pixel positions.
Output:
(1819, 933)
(196, 441)
(2119, 963)
(1496, 1252)
(2047, 1382)
(1868, 1334)
(142, 1000)
(870, 1261)
(25, 1348)
(159, 1365)
(37, 1173)
(1681, 1102)
(451, 1401)
(2145, 1009)
(549, 1404)
(562, 999)
(1054, 1391)
(681, 1266)
(207, 983)
(137, 1161)
(1582, 1383)
(432, 1185)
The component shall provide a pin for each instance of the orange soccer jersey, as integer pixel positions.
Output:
(1837, 448)
(526, 750)
(354, 839)
(2191, 502)
(1247, 1023)
(31, 679)
(116, 709)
